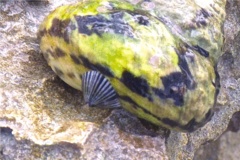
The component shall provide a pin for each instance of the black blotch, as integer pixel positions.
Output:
(75, 59)
(209, 115)
(98, 24)
(59, 52)
(135, 105)
(136, 84)
(201, 17)
(58, 71)
(59, 29)
(216, 84)
(170, 122)
(201, 51)
(174, 88)
(193, 125)
(70, 75)
(73, 26)
(41, 33)
(177, 83)
(83, 22)
(128, 99)
(186, 73)
(97, 67)
(46, 55)
(141, 19)
(117, 16)
(205, 13)
(53, 54)
(65, 36)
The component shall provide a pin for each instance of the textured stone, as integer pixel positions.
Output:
(25, 149)
(227, 146)
(46, 117)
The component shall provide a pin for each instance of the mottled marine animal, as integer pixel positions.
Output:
(121, 54)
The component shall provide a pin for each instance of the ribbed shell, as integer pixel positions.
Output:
(97, 90)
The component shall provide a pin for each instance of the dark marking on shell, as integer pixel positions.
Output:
(117, 16)
(135, 105)
(141, 19)
(177, 83)
(128, 99)
(201, 51)
(208, 116)
(216, 84)
(205, 13)
(71, 75)
(99, 24)
(59, 29)
(170, 122)
(66, 36)
(98, 91)
(59, 52)
(136, 84)
(97, 67)
(186, 73)
(190, 127)
(72, 26)
(174, 88)
(53, 54)
(201, 18)
(41, 33)
(46, 55)
(58, 71)
(75, 59)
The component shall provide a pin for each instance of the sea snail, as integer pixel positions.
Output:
(118, 54)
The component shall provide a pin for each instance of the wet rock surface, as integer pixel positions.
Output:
(41, 117)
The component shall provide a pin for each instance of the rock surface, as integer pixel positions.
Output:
(47, 121)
